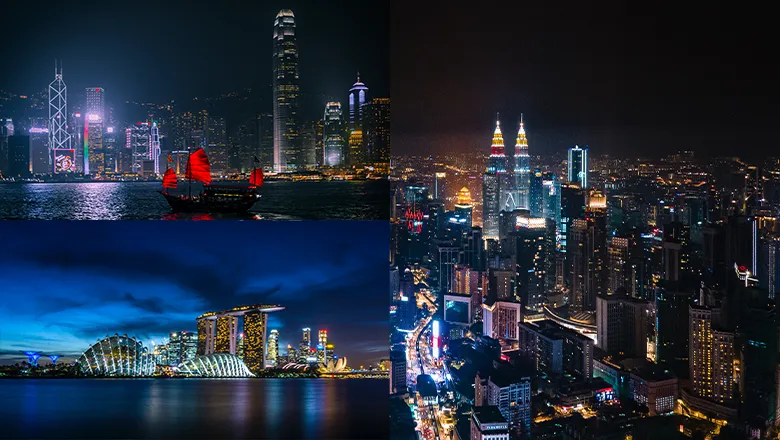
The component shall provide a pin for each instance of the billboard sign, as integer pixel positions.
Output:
(64, 160)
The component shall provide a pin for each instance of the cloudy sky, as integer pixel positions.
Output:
(63, 285)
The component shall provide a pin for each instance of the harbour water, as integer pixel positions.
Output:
(194, 408)
(280, 200)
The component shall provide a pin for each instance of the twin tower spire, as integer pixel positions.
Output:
(521, 143)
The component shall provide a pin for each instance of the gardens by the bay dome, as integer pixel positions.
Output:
(116, 356)
(214, 365)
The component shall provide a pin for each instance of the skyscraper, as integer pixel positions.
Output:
(96, 102)
(578, 166)
(322, 345)
(285, 93)
(522, 172)
(217, 146)
(335, 142)
(376, 128)
(273, 347)
(357, 99)
(492, 181)
(59, 138)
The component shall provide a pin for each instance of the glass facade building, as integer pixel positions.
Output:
(285, 93)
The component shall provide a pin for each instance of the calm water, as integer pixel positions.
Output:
(139, 200)
(194, 408)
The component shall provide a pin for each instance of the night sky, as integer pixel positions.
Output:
(66, 284)
(160, 51)
(624, 78)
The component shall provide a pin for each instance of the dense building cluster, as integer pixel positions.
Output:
(86, 136)
(539, 291)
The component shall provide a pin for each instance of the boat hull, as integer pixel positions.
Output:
(185, 204)
(214, 200)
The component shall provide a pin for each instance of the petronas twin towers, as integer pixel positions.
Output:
(505, 187)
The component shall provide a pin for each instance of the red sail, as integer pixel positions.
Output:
(257, 177)
(169, 178)
(198, 167)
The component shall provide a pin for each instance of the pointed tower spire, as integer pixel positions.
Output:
(497, 147)
(521, 143)
(358, 77)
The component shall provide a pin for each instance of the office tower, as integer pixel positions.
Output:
(322, 346)
(535, 196)
(273, 347)
(522, 174)
(671, 329)
(464, 207)
(285, 93)
(94, 157)
(305, 345)
(240, 346)
(502, 284)
(556, 349)
(395, 283)
(189, 345)
(510, 391)
(621, 325)
(500, 320)
(174, 348)
(96, 101)
(59, 138)
(492, 182)
(448, 258)
(310, 137)
(769, 259)
(397, 372)
(255, 325)
(407, 305)
(578, 166)
(572, 207)
(139, 142)
(474, 283)
(263, 143)
(112, 150)
(551, 199)
(618, 270)
(487, 423)
(474, 249)
(355, 156)
(334, 135)
(586, 255)
(357, 100)
(217, 146)
(19, 160)
(677, 271)
(39, 150)
(534, 261)
(376, 129)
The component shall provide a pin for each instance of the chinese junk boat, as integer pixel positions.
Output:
(216, 197)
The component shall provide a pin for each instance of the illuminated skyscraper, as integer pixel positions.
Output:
(578, 166)
(227, 331)
(59, 138)
(322, 346)
(334, 135)
(376, 129)
(285, 93)
(355, 157)
(493, 180)
(96, 102)
(522, 172)
(217, 146)
(139, 142)
(273, 347)
(464, 207)
(357, 99)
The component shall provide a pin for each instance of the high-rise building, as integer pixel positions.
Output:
(510, 391)
(322, 346)
(286, 89)
(334, 140)
(522, 171)
(535, 196)
(500, 321)
(618, 270)
(534, 261)
(621, 325)
(397, 371)
(487, 423)
(262, 145)
(39, 150)
(586, 255)
(463, 208)
(578, 166)
(273, 347)
(376, 128)
(94, 162)
(556, 349)
(19, 160)
(712, 354)
(96, 102)
(355, 154)
(139, 142)
(59, 138)
(357, 100)
(551, 200)
(492, 185)
(217, 146)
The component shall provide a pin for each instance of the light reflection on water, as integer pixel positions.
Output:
(141, 201)
(193, 408)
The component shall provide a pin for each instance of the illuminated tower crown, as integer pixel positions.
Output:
(521, 143)
(497, 147)
(464, 197)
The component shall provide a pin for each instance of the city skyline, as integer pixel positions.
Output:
(158, 285)
(622, 80)
(161, 65)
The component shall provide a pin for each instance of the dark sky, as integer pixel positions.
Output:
(625, 78)
(158, 51)
(66, 284)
